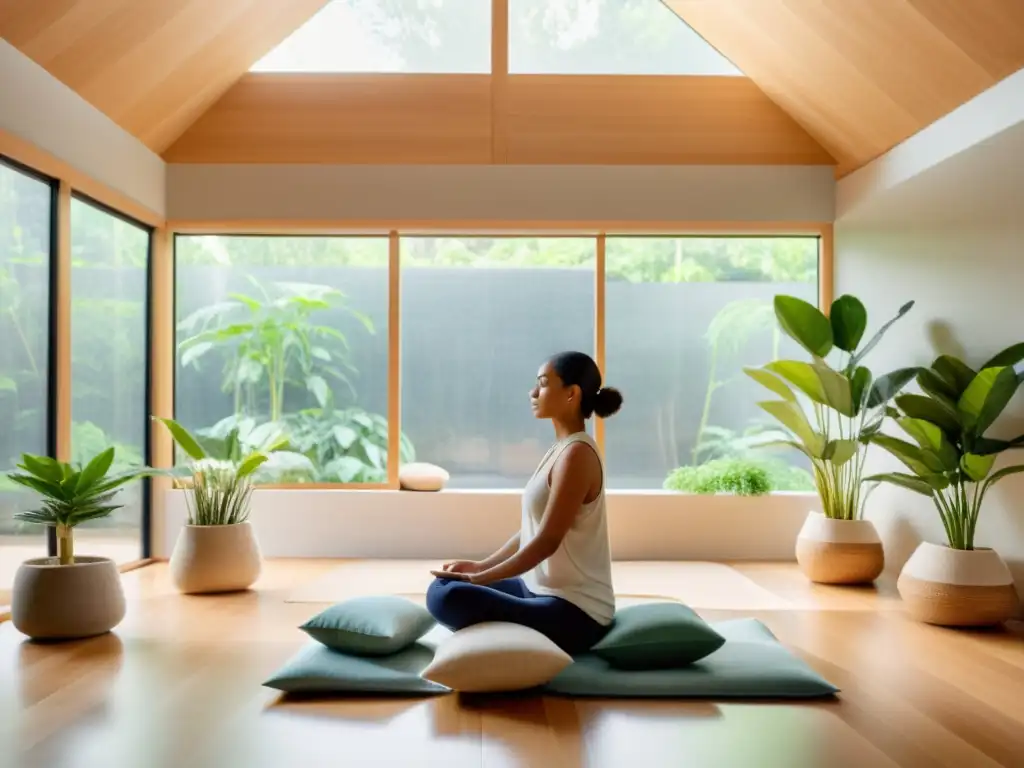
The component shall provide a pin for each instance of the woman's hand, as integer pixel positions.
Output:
(463, 566)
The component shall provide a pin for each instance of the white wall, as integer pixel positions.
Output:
(470, 524)
(968, 282)
(40, 109)
(526, 193)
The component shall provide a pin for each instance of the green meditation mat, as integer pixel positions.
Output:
(751, 664)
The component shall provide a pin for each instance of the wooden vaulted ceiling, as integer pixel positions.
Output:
(152, 66)
(859, 76)
(863, 75)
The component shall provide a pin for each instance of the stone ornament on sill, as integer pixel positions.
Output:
(421, 476)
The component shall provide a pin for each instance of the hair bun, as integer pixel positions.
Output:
(607, 402)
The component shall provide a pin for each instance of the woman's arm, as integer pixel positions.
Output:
(510, 548)
(571, 479)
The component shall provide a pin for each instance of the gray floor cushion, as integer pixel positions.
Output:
(751, 664)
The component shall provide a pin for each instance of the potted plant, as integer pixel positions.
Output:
(836, 545)
(951, 462)
(69, 596)
(216, 550)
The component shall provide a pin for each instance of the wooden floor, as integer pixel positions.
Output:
(178, 685)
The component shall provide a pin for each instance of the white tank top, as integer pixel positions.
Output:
(580, 571)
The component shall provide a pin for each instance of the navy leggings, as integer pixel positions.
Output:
(459, 604)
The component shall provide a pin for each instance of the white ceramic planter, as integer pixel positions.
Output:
(67, 602)
(216, 558)
(957, 588)
(839, 551)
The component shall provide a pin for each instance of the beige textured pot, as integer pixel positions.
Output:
(839, 551)
(216, 558)
(957, 588)
(67, 602)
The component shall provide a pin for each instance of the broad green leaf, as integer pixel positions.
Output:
(849, 320)
(886, 387)
(911, 455)
(183, 438)
(977, 467)
(43, 467)
(801, 375)
(932, 410)
(842, 451)
(983, 446)
(1008, 357)
(771, 381)
(837, 389)
(909, 482)
(786, 444)
(860, 383)
(344, 436)
(95, 470)
(986, 397)
(791, 416)
(933, 440)
(954, 372)
(195, 352)
(805, 324)
(250, 463)
(318, 386)
(881, 332)
(42, 487)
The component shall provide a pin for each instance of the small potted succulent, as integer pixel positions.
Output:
(951, 461)
(69, 596)
(216, 550)
(830, 414)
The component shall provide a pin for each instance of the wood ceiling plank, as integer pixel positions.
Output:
(863, 76)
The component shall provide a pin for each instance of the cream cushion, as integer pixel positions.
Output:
(420, 476)
(496, 656)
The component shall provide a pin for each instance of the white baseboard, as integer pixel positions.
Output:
(655, 525)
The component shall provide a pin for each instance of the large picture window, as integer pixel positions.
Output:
(26, 216)
(479, 316)
(109, 360)
(286, 338)
(684, 315)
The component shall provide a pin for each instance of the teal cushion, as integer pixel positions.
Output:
(370, 626)
(316, 669)
(751, 664)
(657, 636)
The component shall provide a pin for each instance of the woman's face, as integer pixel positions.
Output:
(549, 398)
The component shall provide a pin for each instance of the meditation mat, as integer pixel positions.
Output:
(700, 585)
(751, 664)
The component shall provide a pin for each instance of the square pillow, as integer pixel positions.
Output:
(496, 656)
(316, 669)
(752, 664)
(657, 636)
(370, 626)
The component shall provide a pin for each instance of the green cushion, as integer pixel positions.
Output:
(370, 626)
(657, 636)
(751, 664)
(316, 669)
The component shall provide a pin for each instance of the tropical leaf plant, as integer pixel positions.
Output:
(72, 494)
(847, 403)
(949, 458)
(220, 489)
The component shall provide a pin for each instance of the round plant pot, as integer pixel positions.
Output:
(957, 588)
(215, 558)
(839, 551)
(67, 602)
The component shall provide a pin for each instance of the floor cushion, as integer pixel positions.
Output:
(657, 636)
(317, 669)
(370, 626)
(751, 664)
(496, 656)
(420, 476)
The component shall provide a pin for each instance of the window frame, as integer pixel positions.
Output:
(395, 230)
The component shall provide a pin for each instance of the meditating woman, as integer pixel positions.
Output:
(554, 575)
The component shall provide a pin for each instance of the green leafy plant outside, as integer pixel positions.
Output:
(950, 459)
(848, 403)
(738, 476)
(72, 494)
